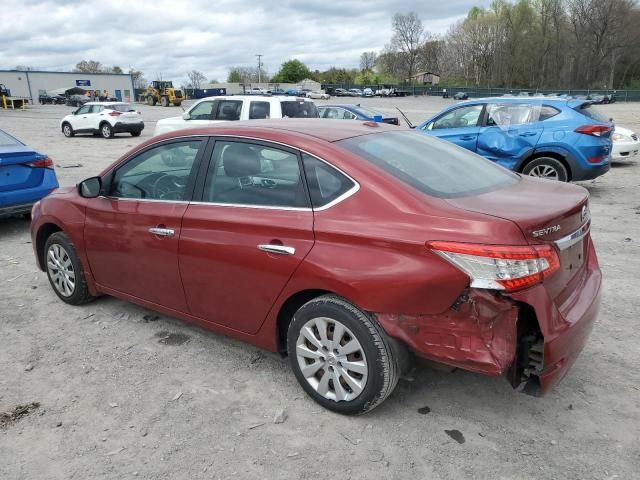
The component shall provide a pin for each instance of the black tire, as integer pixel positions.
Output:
(67, 131)
(151, 101)
(80, 293)
(106, 130)
(164, 101)
(547, 167)
(135, 134)
(382, 367)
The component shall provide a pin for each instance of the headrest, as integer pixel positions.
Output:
(240, 161)
(228, 110)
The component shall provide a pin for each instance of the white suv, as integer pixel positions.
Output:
(103, 118)
(212, 110)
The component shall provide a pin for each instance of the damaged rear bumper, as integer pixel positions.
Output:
(523, 336)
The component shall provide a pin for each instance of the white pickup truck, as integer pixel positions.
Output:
(212, 110)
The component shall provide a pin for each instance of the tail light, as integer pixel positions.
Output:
(42, 163)
(115, 113)
(594, 130)
(498, 267)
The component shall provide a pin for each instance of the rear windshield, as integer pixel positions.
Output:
(7, 140)
(120, 107)
(435, 167)
(299, 109)
(592, 112)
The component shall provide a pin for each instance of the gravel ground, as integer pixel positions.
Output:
(122, 393)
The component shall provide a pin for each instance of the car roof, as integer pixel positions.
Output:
(279, 98)
(516, 99)
(106, 103)
(323, 129)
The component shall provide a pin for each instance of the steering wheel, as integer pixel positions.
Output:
(168, 187)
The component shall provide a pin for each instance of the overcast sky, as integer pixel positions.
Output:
(173, 37)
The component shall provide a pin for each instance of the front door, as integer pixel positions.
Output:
(242, 242)
(81, 118)
(132, 232)
(459, 126)
(511, 132)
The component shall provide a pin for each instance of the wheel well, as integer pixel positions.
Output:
(65, 123)
(288, 309)
(555, 155)
(44, 233)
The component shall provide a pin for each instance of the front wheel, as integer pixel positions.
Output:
(67, 131)
(106, 131)
(64, 270)
(547, 167)
(341, 356)
(164, 101)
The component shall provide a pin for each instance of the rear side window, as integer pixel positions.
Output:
(229, 110)
(299, 109)
(325, 182)
(547, 111)
(259, 110)
(592, 112)
(511, 114)
(432, 166)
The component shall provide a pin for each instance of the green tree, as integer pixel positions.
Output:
(234, 76)
(292, 71)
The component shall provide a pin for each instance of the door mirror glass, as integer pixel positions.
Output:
(90, 188)
(377, 118)
(186, 116)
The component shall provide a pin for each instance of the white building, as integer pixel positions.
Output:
(31, 84)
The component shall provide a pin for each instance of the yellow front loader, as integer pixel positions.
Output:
(163, 93)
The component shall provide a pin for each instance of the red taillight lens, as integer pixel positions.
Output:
(115, 113)
(500, 267)
(43, 163)
(595, 130)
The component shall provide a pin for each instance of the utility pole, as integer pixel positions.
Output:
(259, 67)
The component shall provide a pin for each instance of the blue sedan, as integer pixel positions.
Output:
(25, 176)
(354, 112)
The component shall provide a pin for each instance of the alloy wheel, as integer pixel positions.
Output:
(544, 171)
(106, 131)
(331, 359)
(61, 270)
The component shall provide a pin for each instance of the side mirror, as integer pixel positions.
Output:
(186, 116)
(377, 118)
(90, 188)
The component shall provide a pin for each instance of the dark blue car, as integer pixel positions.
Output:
(354, 112)
(561, 139)
(25, 176)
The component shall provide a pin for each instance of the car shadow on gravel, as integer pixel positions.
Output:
(17, 225)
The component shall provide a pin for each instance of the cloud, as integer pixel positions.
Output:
(173, 37)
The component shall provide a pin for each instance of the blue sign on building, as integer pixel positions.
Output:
(83, 83)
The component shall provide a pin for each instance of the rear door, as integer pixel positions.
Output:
(460, 126)
(510, 132)
(249, 231)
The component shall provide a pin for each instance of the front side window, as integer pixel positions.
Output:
(432, 166)
(82, 110)
(203, 111)
(259, 110)
(459, 118)
(326, 183)
(160, 173)
(251, 174)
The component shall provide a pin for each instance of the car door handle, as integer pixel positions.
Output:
(467, 137)
(278, 249)
(528, 134)
(162, 232)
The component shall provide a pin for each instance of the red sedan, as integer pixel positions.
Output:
(348, 247)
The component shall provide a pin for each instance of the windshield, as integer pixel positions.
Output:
(120, 107)
(7, 140)
(435, 167)
(299, 109)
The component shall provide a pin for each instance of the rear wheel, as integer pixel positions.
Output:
(106, 131)
(164, 101)
(135, 134)
(64, 270)
(341, 357)
(546, 167)
(67, 131)
(151, 100)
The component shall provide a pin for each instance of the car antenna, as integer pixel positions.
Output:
(411, 125)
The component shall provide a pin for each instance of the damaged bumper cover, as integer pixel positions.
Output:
(523, 335)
